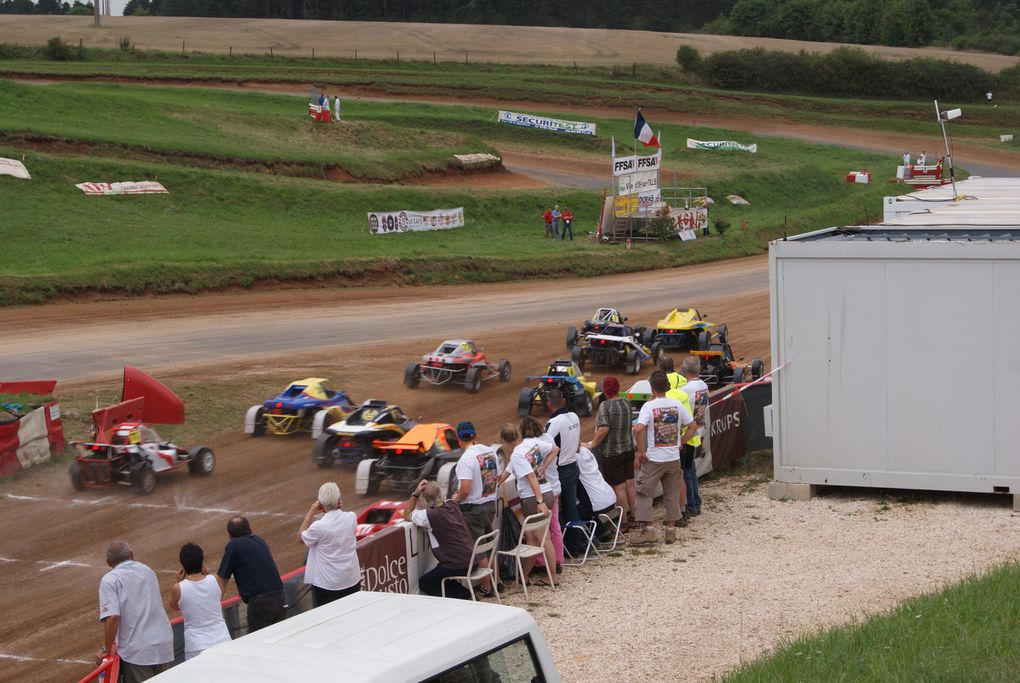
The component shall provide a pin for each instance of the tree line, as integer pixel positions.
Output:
(45, 7)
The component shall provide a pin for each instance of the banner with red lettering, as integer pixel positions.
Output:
(726, 444)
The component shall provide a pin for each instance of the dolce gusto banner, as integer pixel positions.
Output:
(412, 221)
(637, 183)
(726, 145)
(625, 165)
(557, 125)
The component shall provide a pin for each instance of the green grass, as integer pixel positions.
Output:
(968, 632)
(649, 86)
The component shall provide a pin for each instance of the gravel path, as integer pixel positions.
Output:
(751, 572)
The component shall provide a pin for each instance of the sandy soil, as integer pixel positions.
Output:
(53, 538)
(420, 41)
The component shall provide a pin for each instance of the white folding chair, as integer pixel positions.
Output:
(614, 519)
(587, 529)
(536, 523)
(485, 544)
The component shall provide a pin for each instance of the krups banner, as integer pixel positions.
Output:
(407, 221)
(530, 121)
(726, 145)
(625, 165)
(633, 183)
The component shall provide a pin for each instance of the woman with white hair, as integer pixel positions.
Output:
(332, 568)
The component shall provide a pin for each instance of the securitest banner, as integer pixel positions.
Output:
(144, 187)
(383, 222)
(558, 125)
(625, 165)
(635, 183)
(727, 145)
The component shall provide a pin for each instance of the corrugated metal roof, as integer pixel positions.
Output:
(870, 233)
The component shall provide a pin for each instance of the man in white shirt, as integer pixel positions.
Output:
(478, 475)
(132, 613)
(336, 107)
(595, 495)
(662, 427)
(332, 569)
(697, 392)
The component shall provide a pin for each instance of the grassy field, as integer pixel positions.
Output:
(228, 226)
(654, 87)
(967, 632)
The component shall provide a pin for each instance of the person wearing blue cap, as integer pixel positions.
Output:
(478, 472)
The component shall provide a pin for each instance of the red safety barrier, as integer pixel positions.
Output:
(108, 671)
(39, 387)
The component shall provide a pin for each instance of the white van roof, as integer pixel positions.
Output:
(363, 637)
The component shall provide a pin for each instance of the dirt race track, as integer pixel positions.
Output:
(51, 557)
(449, 42)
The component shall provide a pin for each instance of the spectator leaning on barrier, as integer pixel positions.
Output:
(197, 596)
(564, 427)
(614, 444)
(685, 400)
(449, 538)
(247, 558)
(658, 437)
(697, 391)
(478, 475)
(132, 613)
(332, 569)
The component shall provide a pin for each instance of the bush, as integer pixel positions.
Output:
(688, 58)
(125, 44)
(721, 225)
(846, 72)
(57, 50)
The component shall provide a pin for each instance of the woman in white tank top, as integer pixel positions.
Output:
(198, 597)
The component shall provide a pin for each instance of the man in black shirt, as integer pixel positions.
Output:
(248, 560)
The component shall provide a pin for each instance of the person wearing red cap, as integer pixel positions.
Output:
(613, 443)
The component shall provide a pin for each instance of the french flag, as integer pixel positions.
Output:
(643, 132)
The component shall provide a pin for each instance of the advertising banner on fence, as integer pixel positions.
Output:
(625, 165)
(726, 432)
(690, 219)
(642, 203)
(382, 222)
(144, 187)
(558, 125)
(727, 145)
(14, 167)
(636, 183)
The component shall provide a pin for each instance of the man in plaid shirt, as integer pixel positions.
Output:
(613, 443)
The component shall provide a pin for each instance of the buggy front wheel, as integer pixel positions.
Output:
(145, 480)
(76, 481)
(412, 375)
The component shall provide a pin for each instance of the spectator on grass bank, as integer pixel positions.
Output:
(336, 107)
(332, 568)
(658, 437)
(556, 216)
(131, 610)
(246, 557)
(988, 96)
(197, 596)
(614, 445)
(906, 159)
(478, 474)
(326, 116)
(568, 223)
(448, 535)
(697, 392)
(531, 457)
(548, 223)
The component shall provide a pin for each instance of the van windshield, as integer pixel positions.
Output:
(514, 662)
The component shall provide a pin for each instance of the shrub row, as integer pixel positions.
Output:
(846, 72)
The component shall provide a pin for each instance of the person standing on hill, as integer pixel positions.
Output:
(336, 108)
(197, 597)
(922, 159)
(247, 558)
(556, 215)
(568, 223)
(548, 223)
(131, 610)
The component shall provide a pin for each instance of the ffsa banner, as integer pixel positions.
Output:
(383, 222)
(625, 165)
(558, 125)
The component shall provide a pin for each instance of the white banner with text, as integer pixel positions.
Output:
(514, 118)
(635, 183)
(726, 145)
(382, 222)
(143, 187)
(625, 165)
